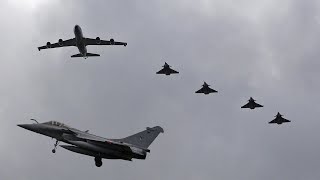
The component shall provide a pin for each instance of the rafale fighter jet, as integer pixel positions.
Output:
(81, 42)
(167, 70)
(134, 146)
(206, 89)
(251, 104)
(279, 120)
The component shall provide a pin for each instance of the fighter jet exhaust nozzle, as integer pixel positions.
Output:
(112, 41)
(98, 40)
(60, 42)
(48, 45)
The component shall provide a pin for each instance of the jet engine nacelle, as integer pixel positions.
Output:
(98, 40)
(60, 42)
(112, 41)
(48, 45)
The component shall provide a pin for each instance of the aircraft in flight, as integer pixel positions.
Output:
(81, 42)
(279, 119)
(206, 89)
(134, 146)
(167, 70)
(251, 104)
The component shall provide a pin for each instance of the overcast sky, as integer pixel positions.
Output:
(266, 49)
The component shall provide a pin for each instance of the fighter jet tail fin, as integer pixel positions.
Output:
(87, 55)
(144, 138)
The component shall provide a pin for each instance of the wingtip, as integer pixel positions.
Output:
(157, 128)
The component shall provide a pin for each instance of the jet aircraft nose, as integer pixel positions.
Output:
(30, 127)
(76, 28)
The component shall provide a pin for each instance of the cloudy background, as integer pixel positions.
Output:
(266, 49)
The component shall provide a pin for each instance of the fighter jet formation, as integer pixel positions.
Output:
(82, 142)
(132, 147)
(81, 42)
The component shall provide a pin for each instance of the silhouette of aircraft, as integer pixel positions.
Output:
(251, 104)
(279, 120)
(206, 89)
(167, 70)
(134, 146)
(81, 42)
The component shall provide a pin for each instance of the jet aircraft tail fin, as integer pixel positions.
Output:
(87, 55)
(144, 138)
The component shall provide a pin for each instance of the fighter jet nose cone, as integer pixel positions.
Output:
(26, 126)
(22, 125)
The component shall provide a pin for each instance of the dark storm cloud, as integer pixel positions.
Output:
(269, 54)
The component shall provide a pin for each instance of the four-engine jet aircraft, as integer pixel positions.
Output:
(279, 120)
(251, 104)
(134, 146)
(167, 70)
(81, 42)
(206, 89)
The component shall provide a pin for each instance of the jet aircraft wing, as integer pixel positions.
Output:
(273, 121)
(258, 105)
(162, 71)
(103, 142)
(285, 120)
(69, 42)
(90, 41)
(212, 90)
(245, 106)
(200, 91)
(173, 71)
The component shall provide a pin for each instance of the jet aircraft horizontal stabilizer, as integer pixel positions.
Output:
(87, 55)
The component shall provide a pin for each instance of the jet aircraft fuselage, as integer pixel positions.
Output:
(80, 43)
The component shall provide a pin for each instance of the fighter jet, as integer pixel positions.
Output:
(279, 120)
(206, 89)
(131, 147)
(81, 42)
(251, 104)
(167, 70)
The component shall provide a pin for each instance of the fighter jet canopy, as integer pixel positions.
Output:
(205, 84)
(278, 115)
(166, 65)
(55, 123)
